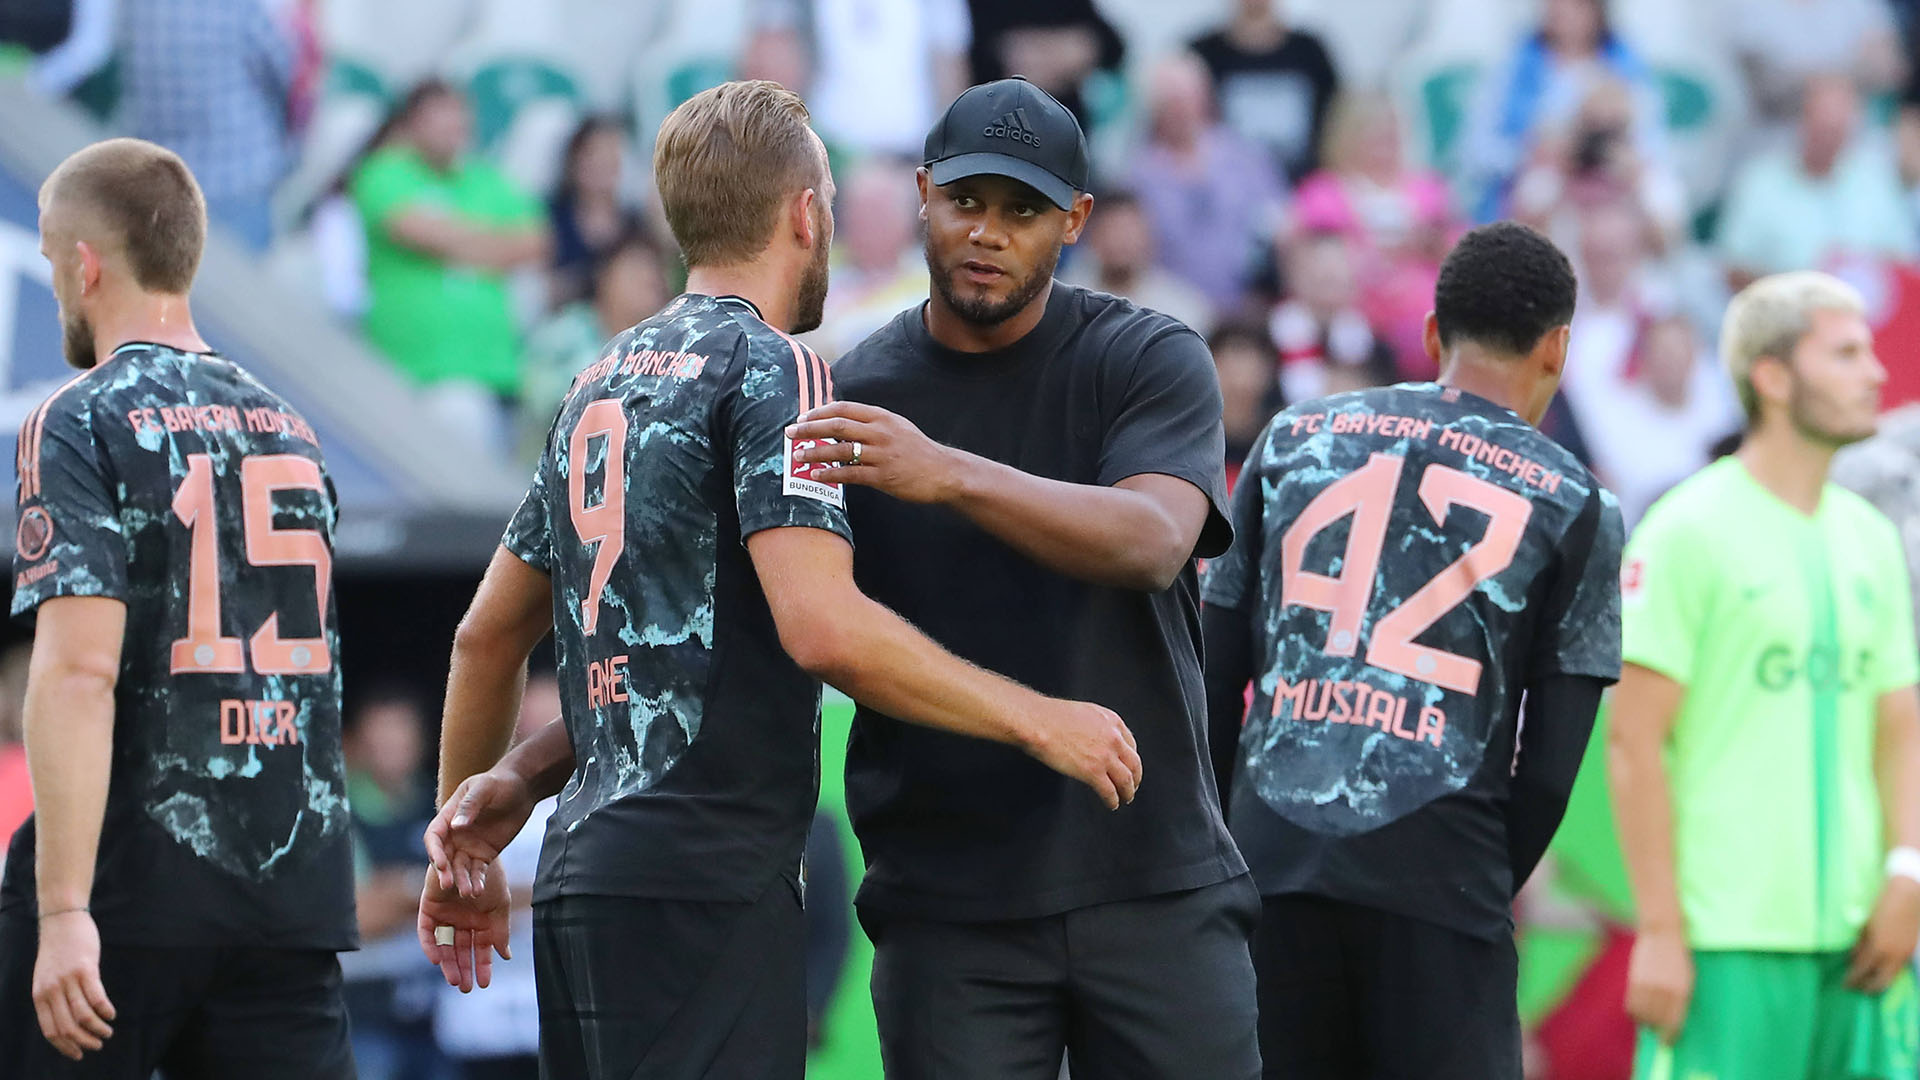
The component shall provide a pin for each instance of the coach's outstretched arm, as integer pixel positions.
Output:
(69, 728)
(841, 636)
(1660, 977)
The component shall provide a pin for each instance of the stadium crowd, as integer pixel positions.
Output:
(480, 211)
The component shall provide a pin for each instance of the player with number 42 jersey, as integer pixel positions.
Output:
(1410, 560)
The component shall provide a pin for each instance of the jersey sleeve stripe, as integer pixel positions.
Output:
(31, 433)
(823, 376)
(807, 389)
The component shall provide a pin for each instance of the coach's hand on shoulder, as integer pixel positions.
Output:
(1887, 941)
(479, 929)
(67, 993)
(1660, 982)
(877, 449)
(1089, 743)
(476, 823)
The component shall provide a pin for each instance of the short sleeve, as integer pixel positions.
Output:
(530, 534)
(1169, 423)
(1232, 580)
(1663, 597)
(70, 541)
(773, 382)
(1580, 627)
(387, 184)
(1897, 665)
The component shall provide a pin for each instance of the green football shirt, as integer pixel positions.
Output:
(1785, 631)
(433, 319)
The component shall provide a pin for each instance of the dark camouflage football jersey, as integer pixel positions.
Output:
(1410, 558)
(695, 737)
(175, 482)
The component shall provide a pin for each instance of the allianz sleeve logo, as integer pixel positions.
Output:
(1012, 126)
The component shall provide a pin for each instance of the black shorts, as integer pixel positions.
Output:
(215, 1013)
(1152, 988)
(1354, 993)
(634, 989)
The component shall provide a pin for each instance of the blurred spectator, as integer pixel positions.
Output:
(1836, 193)
(1243, 355)
(209, 79)
(495, 1034)
(87, 47)
(443, 229)
(1594, 162)
(1213, 198)
(390, 991)
(16, 788)
(876, 73)
(1886, 470)
(588, 212)
(1057, 44)
(1119, 258)
(1326, 344)
(628, 284)
(1619, 295)
(879, 267)
(1540, 90)
(829, 912)
(1781, 44)
(1656, 428)
(1273, 82)
(1397, 218)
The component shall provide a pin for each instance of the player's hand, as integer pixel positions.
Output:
(1886, 942)
(895, 456)
(68, 996)
(1090, 744)
(478, 821)
(1660, 983)
(479, 929)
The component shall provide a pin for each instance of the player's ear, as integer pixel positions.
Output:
(1551, 351)
(923, 180)
(800, 218)
(1430, 340)
(1772, 378)
(88, 264)
(1077, 218)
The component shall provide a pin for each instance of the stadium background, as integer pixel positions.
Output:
(1664, 160)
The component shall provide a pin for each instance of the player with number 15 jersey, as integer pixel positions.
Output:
(1408, 561)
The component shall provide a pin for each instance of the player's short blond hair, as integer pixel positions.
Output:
(146, 201)
(725, 159)
(1770, 316)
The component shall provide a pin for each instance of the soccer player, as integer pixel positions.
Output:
(1037, 466)
(700, 582)
(180, 894)
(1409, 561)
(1763, 753)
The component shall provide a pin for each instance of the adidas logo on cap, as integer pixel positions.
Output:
(1012, 126)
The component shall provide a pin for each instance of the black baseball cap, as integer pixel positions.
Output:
(1015, 129)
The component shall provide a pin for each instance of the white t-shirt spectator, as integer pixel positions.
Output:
(873, 81)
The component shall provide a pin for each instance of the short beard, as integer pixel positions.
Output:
(810, 305)
(76, 335)
(981, 311)
(1800, 413)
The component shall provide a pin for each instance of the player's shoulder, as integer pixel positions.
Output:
(1858, 516)
(892, 346)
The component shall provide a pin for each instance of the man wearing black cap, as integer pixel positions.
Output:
(1036, 467)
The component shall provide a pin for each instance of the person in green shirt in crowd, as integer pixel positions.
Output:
(628, 283)
(1765, 736)
(444, 229)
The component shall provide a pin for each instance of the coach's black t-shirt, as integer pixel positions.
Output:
(178, 484)
(1409, 558)
(696, 738)
(962, 829)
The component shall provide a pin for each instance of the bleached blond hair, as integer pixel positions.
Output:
(1770, 316)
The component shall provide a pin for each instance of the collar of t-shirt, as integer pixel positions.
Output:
(1054, 325)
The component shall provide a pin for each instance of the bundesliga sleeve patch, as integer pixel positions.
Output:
(799, 476)
(1632, 578)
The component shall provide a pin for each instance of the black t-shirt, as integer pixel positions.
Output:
(963, 829)
(175, 482)
(696, 738)
(1278, 97)
(1410, 557)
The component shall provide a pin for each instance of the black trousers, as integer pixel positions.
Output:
(634, 989)
(191, 1013)
(1157, 988)
(1354, 993)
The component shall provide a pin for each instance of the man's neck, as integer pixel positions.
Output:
(1486, 377)
(1118, 280)
(752, 282)
(1818, 166)
(157, 317)
(949, 329)
(1257, 33)
(1788, 464)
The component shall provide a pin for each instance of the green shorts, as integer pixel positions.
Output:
(1786, 1016)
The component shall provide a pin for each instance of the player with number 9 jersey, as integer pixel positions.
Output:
(1409, 560)
(176, 482)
